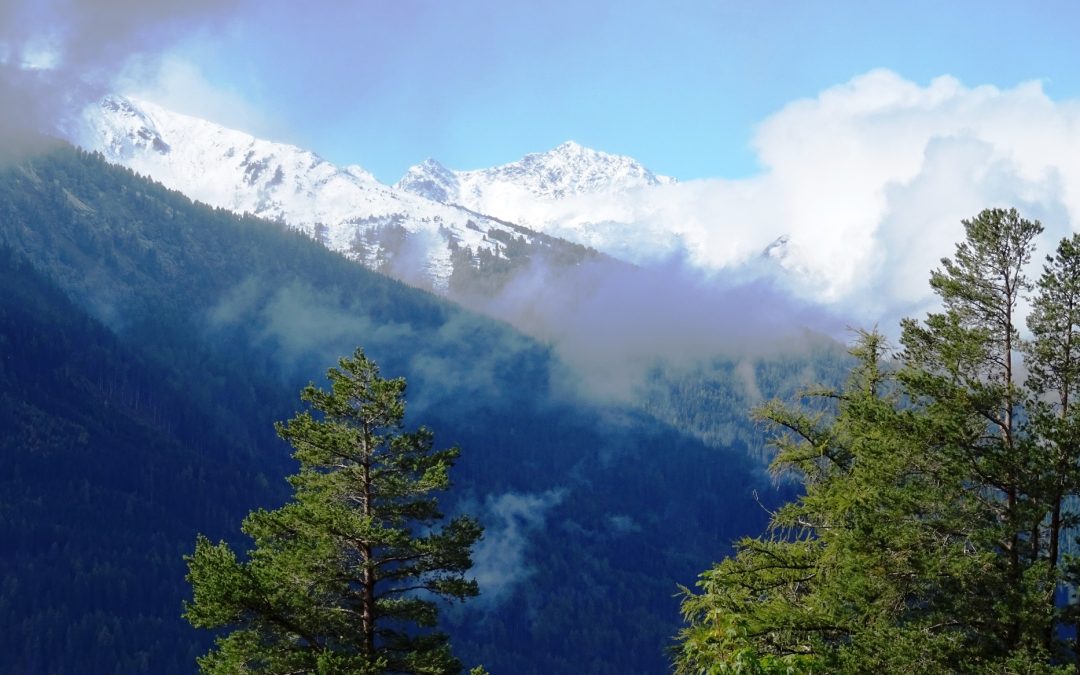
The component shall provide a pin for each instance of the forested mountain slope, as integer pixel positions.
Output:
(593, 513)
(108, 468)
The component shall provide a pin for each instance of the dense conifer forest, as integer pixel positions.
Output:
(149, 345)
(921, 519)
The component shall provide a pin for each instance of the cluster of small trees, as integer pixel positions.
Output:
(931, 536)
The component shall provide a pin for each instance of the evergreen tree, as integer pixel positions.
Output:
(852, 576)
(929, 535)
(961, 366)
(342, 579)
(1053, 360)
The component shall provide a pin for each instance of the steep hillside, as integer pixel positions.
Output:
(594, 513)
(108, 469)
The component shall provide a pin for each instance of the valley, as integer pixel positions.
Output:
(538, 338)
(237, 313)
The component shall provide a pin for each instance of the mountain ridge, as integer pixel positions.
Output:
(414, 230)
(567, 170)
(346, 208)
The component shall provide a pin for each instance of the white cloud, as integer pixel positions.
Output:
(509, 519)
(57, 57)
(869, 180)
(178, 85)
(876, 174)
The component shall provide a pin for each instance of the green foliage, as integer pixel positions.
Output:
(341, 577)
(936, 487)
(206, 325)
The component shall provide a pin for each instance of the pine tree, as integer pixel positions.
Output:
(852, 576)
(961, 366)
(343, 578)
(1053, 360)
(929, 535)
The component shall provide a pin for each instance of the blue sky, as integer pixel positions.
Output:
(677, 85)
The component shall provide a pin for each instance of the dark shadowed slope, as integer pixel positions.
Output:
(594, 513)
(107, 471)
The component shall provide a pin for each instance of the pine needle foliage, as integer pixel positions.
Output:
(344, 578)
(940, 491)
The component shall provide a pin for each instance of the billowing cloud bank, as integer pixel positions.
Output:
(868, 182)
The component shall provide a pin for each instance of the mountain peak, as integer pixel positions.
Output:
(434, 165)
(566, 170)
(571, 168)
(430, 180)
(571, 146)
(134, 127)
(567, 151)
(345, 207)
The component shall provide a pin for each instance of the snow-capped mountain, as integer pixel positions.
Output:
(431, 180)
(615, 205)
(434, 221)
(520, 190)
(345, 207)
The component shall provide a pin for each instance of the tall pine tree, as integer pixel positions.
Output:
(343, 578)
(962, 365)
(1053, 359)
(937, 492)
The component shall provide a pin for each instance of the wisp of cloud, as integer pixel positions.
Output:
(56, 56)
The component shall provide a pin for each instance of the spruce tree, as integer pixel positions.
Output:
(343, 578)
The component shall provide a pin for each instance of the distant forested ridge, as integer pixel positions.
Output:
(150, 343)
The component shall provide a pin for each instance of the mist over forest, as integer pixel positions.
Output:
(574, 338)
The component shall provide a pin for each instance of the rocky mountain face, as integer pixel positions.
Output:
(519, 191)
(406, 233)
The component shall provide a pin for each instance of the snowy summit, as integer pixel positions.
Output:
(507, 191)
(345, 207)
(409, 230)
